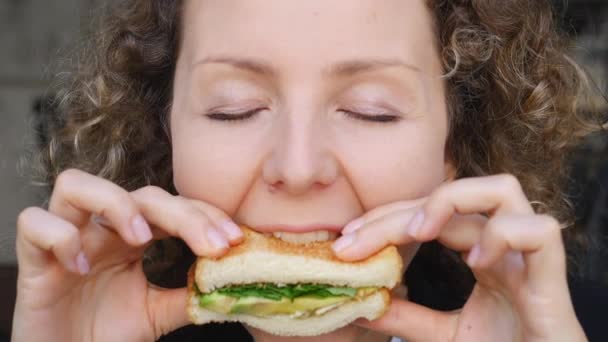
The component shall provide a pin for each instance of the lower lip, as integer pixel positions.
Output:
(296, 229)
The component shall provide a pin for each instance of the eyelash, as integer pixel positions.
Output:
(244, 116)
(234, 117)
(376, 118)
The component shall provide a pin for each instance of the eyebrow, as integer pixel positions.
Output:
(343, 68)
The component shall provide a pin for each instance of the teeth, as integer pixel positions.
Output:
(321, 235)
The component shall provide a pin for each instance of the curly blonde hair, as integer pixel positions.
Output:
(517, 101)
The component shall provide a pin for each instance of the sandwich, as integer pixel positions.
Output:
(290, 289)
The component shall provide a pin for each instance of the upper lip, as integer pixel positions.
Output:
(271, 228)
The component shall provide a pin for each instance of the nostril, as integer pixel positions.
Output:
(273, 188)
(320, 185)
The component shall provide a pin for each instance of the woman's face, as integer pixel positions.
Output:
(306, 114)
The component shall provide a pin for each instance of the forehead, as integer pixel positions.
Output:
(309, 32)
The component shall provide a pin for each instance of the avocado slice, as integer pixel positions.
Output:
(300, 307)
(217, 302)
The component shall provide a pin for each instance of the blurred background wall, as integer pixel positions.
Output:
(33, 33)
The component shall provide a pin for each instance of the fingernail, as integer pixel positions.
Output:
(416, 223)
(473, 257)
(352, 226)
(216, 239)
(82, 264)
(343, 242)
(141, 230)
(232, 230)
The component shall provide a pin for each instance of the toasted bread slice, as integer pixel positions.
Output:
(266, 259)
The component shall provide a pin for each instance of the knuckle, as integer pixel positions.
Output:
(441, 192)
(25, 216)
(509, 182)
(396, 232)
(197, 219)
(66, 234)
(443, 189)
(189, 209)
(119, 202)
(63, 239)
(494, 227)
(65, 178)
(551, 222)
(550, 225)
(189, 219)
(150, 191)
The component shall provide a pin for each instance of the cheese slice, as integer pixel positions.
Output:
(299, 307)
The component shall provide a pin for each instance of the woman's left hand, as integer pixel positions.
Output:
(517, 257)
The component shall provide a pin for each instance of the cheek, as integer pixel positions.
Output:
(219, 174)
(404, 166)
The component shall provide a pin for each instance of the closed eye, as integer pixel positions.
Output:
(380, 118)
(241, 116)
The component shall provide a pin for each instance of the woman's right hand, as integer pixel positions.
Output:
(80, 263)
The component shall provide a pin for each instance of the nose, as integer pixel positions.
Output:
(300, 160)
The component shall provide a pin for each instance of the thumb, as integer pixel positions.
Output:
(167, 309)
(413, 322)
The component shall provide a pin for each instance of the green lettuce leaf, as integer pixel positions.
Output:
(275, 292)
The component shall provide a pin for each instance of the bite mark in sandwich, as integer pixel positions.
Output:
(290, 289)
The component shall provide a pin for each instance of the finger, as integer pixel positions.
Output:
(379, 212)
(501, 194)
(375, 235)
(77, 195)
(537, 237)
(179, 218)
(460, 233)
(167, 309)
(43, 237)
(413, 322)
(220, 220)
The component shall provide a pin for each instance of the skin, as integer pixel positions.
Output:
(300, 160)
